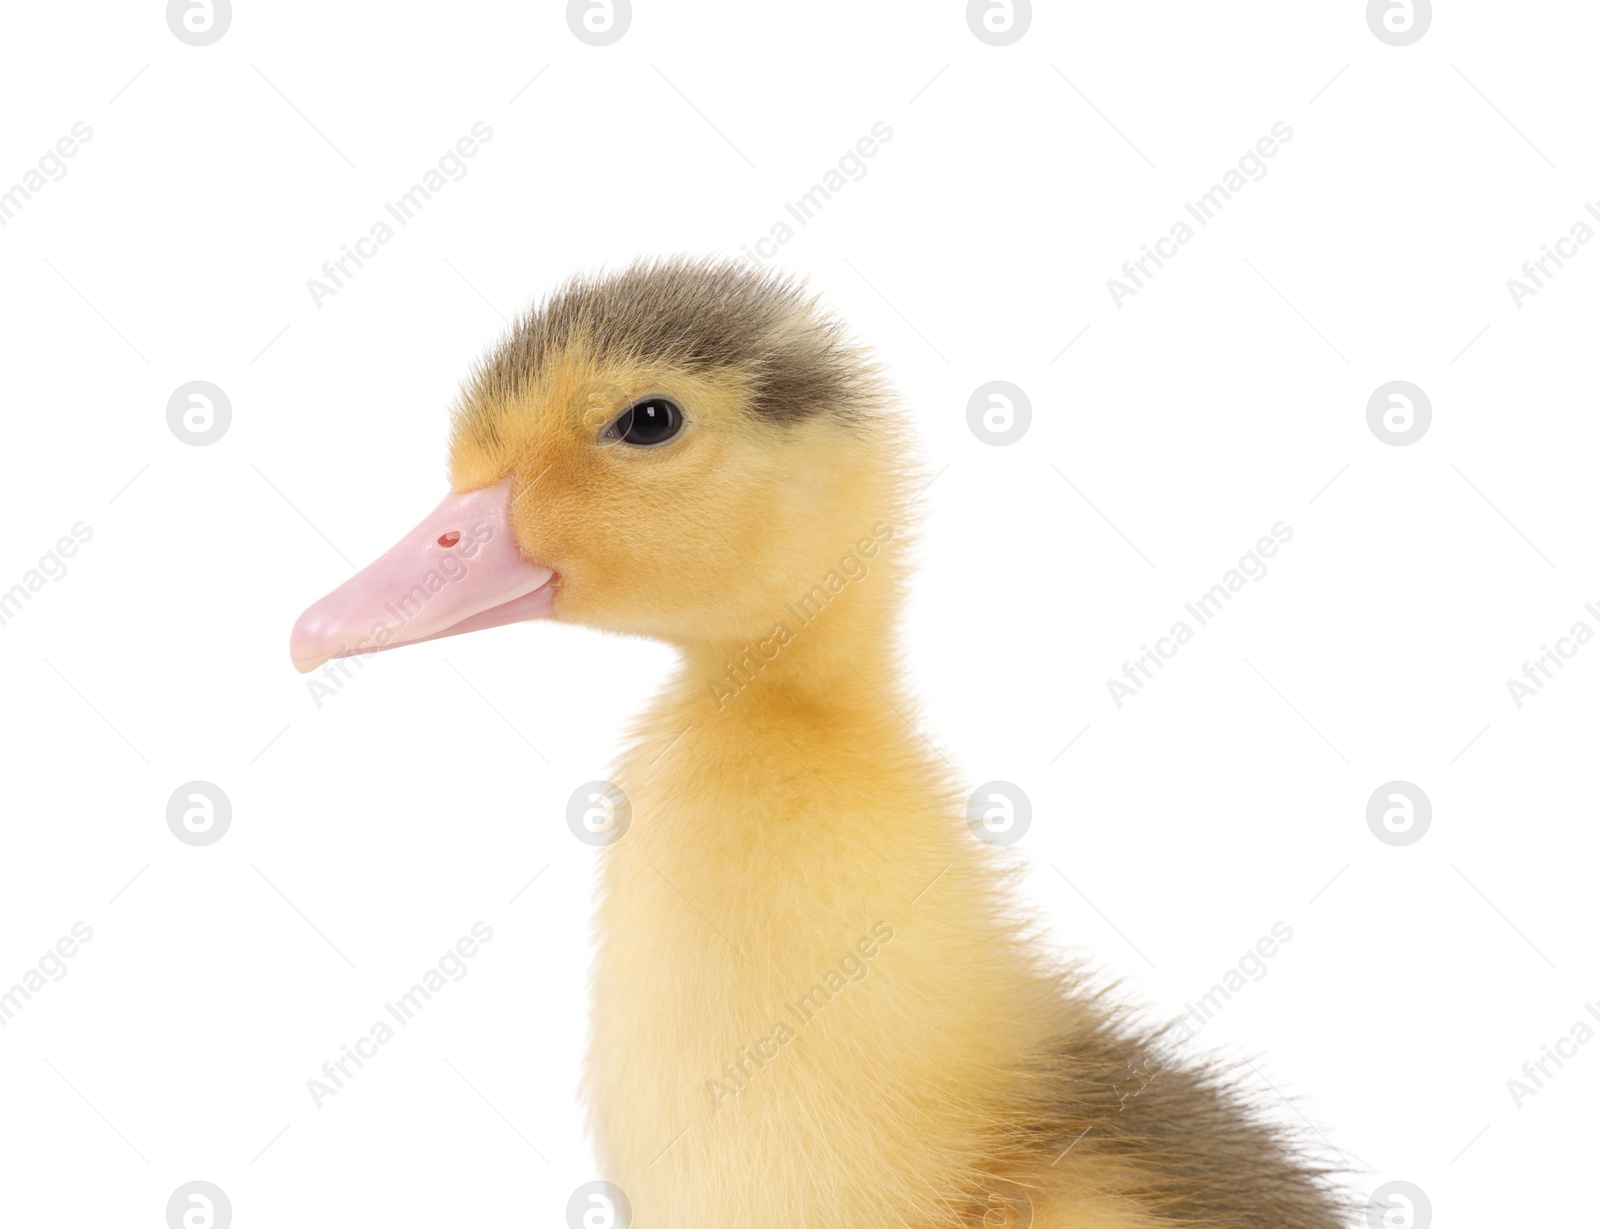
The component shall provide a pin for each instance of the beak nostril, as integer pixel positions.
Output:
(449, 539)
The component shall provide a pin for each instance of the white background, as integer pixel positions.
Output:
(372, 832)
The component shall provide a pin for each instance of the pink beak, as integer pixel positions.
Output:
(458, 571)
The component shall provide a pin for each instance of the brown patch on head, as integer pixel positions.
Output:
(703, 317)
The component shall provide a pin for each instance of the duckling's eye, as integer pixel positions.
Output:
(646, 423)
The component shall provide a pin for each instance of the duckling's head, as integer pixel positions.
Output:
(677, 451)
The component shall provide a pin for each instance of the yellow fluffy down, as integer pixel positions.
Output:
(812, 1004)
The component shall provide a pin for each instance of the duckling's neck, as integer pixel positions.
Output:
(829, 653)
(772, 739)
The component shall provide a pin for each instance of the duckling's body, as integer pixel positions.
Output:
(807, 1009)
(814, 1004)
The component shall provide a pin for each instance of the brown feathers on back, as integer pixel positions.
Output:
(706, 316)
(1176, 1134)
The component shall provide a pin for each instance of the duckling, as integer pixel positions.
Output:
(814, 1003)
